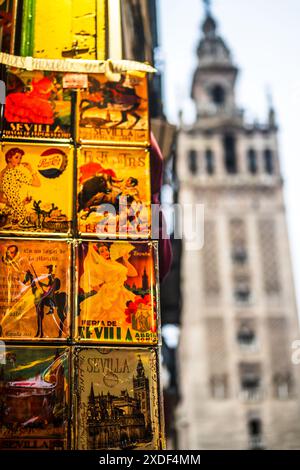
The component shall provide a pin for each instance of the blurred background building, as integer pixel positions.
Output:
(239, 389)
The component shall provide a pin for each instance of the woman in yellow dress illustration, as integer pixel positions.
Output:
(13, 177)
(105, 271)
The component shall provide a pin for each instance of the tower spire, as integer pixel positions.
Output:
(269, 97)
(213, 87)
(92, 394)
(271, 110)
(209, 25)
(140, 367)
(207, 7)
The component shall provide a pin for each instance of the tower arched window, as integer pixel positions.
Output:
(242, 291)
(246, 335)
(230, 154)
(283, 385)
(209, 162)
(218, 95)
(255, 434)
(252, 161)
(269, 162)
(193, 163)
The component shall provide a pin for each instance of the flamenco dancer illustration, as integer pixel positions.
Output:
(105, 270)
(33, 105)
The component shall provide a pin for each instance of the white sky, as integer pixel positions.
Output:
(264, 37)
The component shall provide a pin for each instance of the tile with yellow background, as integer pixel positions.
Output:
(35, 288)
(114, 111)
(113, 192)
(38, 106)
(36, 188)
(117, 292)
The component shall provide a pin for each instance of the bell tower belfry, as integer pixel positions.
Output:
(213, 88)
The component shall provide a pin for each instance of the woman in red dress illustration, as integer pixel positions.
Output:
(32, 106)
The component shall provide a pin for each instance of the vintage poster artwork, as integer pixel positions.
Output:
(36, 189)
(35, 289)
(114, 194)
(70, 29)
(37, 106)
(117, 292)
(34, 398)
(117, 403)
(114, 111)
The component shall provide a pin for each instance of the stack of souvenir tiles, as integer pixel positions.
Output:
(79, 288)
(117, 268)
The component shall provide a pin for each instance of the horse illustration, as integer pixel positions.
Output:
(115, 96)
(41, 301)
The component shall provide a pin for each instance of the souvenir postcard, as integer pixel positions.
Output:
(36, 188)
(34, 398)
(70, 29)
(117, 404)
(35, 289)
(37, 106)
(114, 195)
(117, 292)
(114, 112)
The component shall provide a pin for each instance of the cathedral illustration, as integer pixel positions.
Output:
(120, 421)
(142, 288)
